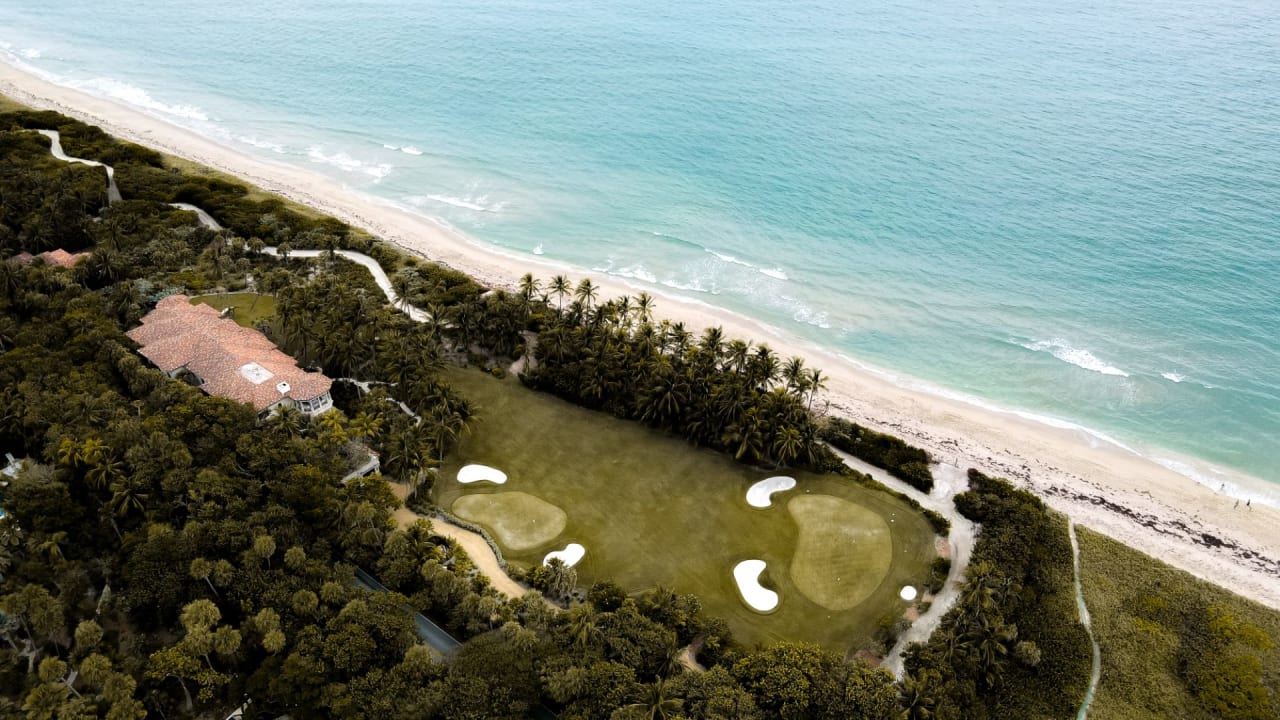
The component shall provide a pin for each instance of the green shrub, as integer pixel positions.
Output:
(903, 461)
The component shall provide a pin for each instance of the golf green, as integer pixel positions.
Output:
(653, 510)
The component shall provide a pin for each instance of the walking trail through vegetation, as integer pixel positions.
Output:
(475, 546)
(1096, 674)
(55, 147)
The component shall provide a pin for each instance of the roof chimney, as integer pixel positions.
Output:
(283, 387)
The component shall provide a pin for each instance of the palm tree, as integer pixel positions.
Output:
(127, 498)
(654, 703)
(560, 286)
(794, 374)
(644, 306)
(787, 444)
(817, 381)
(585, 292)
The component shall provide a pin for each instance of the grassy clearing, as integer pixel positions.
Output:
(518, 520)
(8, 104)
(843, 552)
(251, 310)
(652, 510)
(1142, 610)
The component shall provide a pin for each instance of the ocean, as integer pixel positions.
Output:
(1067, 209)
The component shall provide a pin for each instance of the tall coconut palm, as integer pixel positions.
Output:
(560, 287)
(586, 292)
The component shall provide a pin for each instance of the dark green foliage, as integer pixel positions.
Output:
(613, 357)
(884, 451)
(1174, 645)
(1019, 589)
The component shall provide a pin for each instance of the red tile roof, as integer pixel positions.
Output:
(62, 258)
(234, 362)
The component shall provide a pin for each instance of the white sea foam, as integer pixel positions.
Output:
(635, 272)
(341, 160)
(30, 53)
(406, 149)
(809, 316)
(136, 96)
(478, 204)
(538, 250)
(775, 273)
(729, 259)
(1079, 357)
(1173, 377)
(256, 141)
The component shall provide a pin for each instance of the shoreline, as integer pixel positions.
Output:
(1131, 497)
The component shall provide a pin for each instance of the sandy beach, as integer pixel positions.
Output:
(1100, 485)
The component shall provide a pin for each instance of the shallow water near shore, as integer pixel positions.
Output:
(1067, 210)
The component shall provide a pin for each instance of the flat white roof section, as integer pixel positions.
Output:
(255, 373)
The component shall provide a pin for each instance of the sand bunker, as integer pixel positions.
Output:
(757, 596)
(481, 473)
(518, 521)
(843, 553)
(758, 495)
(571, 555)
(907, 593)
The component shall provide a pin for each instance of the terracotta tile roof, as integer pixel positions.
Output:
(62, 258)
(235, 362)
(22, 258)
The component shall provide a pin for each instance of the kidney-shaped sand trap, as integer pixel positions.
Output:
(757, 596)
(758, 495)
(843, 552)
(518, 521)
(481, 473)
(571, 555)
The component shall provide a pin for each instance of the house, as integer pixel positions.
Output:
(227, 360)
(58, 257)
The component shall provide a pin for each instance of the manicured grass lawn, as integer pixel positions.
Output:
(1140, 607)
(653, 510)
(250, 309)
(839, 580)
(518, 520)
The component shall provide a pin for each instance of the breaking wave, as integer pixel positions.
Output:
(343, 161)
(1079, 357)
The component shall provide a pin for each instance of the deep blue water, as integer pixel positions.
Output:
(1068, 208)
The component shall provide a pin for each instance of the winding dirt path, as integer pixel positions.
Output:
(475, 546)
(55, 147)
(1096, 673)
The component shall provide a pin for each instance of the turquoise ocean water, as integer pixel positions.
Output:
(1071, 209)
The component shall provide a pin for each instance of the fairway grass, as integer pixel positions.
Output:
(653, 510)
(843, 553)
(517, 520)
(251, 310)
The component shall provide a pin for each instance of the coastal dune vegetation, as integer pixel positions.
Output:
(166, 554)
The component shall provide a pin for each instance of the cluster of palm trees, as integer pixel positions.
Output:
(614, 356)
